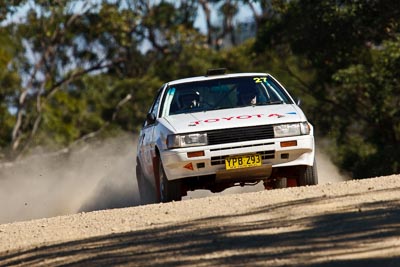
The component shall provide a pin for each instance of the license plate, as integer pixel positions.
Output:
(243, 161)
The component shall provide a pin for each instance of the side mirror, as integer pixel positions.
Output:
(150, 118)
(298, 101)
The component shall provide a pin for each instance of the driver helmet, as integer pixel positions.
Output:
(247, 94)
(190, 100)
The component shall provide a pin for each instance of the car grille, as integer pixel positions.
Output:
(240, 134)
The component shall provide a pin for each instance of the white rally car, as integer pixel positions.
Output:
(221, 130)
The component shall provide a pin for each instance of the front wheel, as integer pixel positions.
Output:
(169, 190)
(308, 175)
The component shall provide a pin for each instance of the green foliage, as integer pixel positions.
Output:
(74, 69)
(60, 121)
(373, 91)
(238, 59)
(142, 89)
(355, 85)
(190, 57)
(331, 35)
(9, 82)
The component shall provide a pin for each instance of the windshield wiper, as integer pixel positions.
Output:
(277, 102)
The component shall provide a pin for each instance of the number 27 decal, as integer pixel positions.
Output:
(260, 79)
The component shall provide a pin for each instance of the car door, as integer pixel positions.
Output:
(146, 151)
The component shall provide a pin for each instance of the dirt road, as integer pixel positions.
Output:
(352, 223)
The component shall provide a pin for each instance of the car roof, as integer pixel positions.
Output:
(216, 77)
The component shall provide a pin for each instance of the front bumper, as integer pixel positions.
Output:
(178, 165)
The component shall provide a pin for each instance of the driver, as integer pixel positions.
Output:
(247, 95)
(191, 100)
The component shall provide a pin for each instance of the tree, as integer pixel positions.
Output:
(62, 45)
(82, 64)
(340, 42)
(374, 90)
(7, 8)
(9, 82)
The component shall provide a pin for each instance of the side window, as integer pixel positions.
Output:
(154, 107)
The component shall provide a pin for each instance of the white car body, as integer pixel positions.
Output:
(168, 172)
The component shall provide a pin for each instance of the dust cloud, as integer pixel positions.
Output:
(92, 178)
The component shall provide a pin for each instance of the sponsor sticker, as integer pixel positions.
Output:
(240, 117)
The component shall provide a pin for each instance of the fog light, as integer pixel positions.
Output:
(200, 165)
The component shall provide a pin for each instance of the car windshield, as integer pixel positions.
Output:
(223, 94)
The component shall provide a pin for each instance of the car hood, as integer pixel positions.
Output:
(237, 117)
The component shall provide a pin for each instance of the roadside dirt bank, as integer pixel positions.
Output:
(350, 223)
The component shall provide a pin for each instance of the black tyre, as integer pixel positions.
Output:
(308, 175)
(169, 190)
(146, 191)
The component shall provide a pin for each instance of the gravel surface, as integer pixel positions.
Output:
(350, 223)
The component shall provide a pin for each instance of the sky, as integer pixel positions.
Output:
(244, 13)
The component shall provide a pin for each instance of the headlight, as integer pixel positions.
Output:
(291, 129)
(187, 140)
(305, 127)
